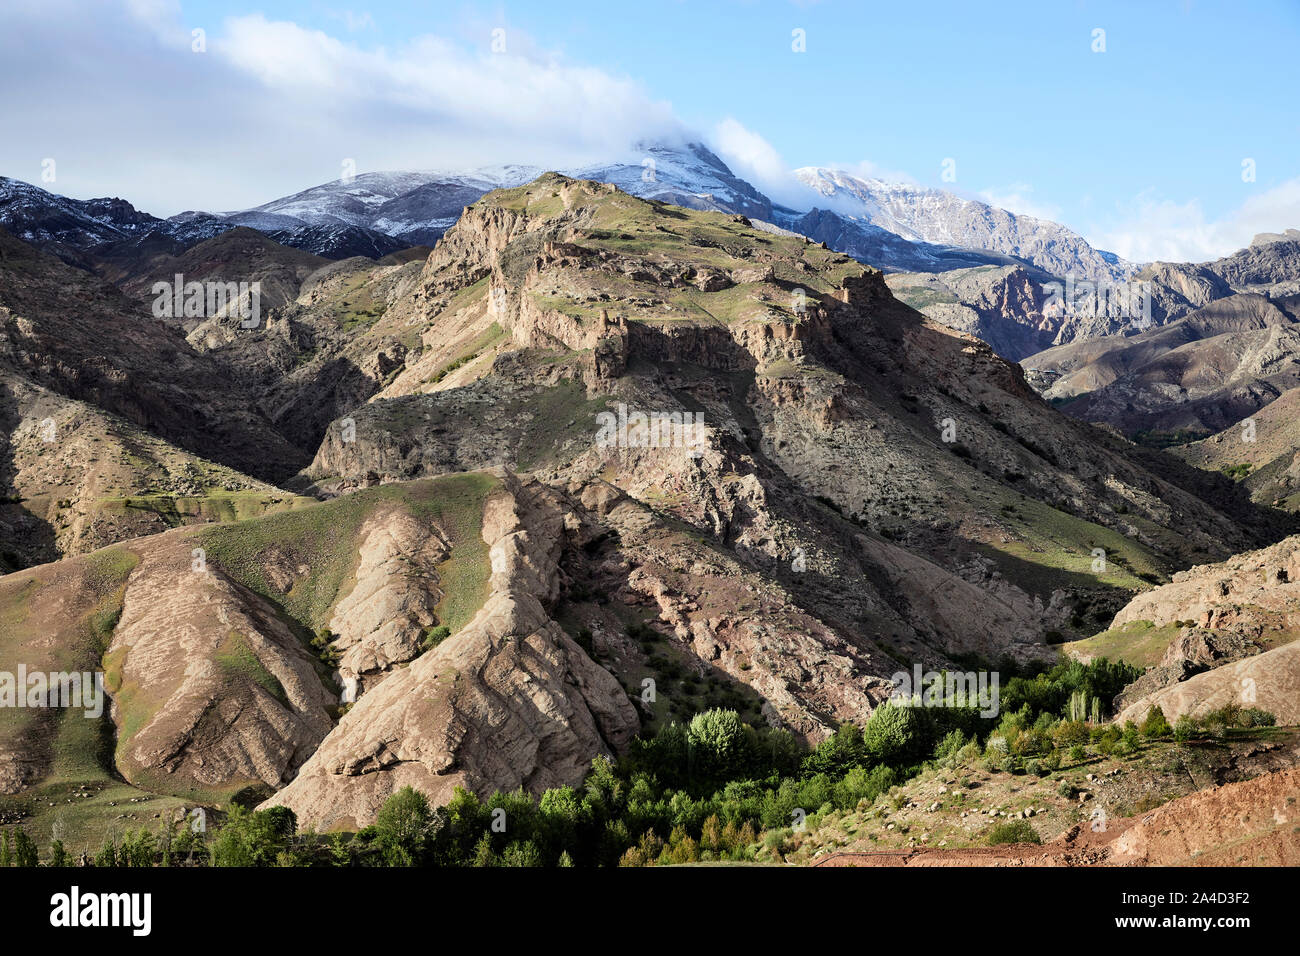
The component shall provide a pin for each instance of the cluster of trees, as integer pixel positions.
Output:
(1087, 689)
(705, 790)
(174, 845)
(1041, 744)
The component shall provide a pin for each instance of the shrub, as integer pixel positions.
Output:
(1254, 717)
(1069, 732)
(967, 755)
(1013, 831)
(433, 636)
(1155, 726)
(952, 742)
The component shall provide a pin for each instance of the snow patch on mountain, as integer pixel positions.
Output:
(921, 214)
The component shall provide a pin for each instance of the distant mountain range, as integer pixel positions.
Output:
(964, 263)
(892, 226)
(935, 216)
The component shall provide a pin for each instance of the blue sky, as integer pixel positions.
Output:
(1139, 147)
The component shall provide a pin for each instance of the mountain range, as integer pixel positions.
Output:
(894, 226)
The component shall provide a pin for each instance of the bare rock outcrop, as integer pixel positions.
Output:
(1249, 594)
(508, 701)
(211, 689)
(381, 622)
(1269, 681)
(1230, 611)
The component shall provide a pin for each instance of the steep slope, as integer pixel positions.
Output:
(202, 633)
(549, 304)
(1266, 459)
(209, 691)
(342, 337)
(76, 335)
(74, 478)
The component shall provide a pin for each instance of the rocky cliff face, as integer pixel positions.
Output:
(508, 701)
(382, 621)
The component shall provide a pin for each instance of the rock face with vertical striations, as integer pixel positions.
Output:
(382, 621)
(211, 689)
(508, 701)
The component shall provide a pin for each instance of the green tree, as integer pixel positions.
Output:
(894, 734)
(1155, 725)
(716, 739)
(838, 752)
(24, 849)
(404, 825)
(107, 855)
(254, 837)
(521, 853)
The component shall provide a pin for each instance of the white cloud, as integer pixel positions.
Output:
(1018, 198)
(357, 21)
(749, 155)
(1150, 228)
(752, 157)
(115, 94)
